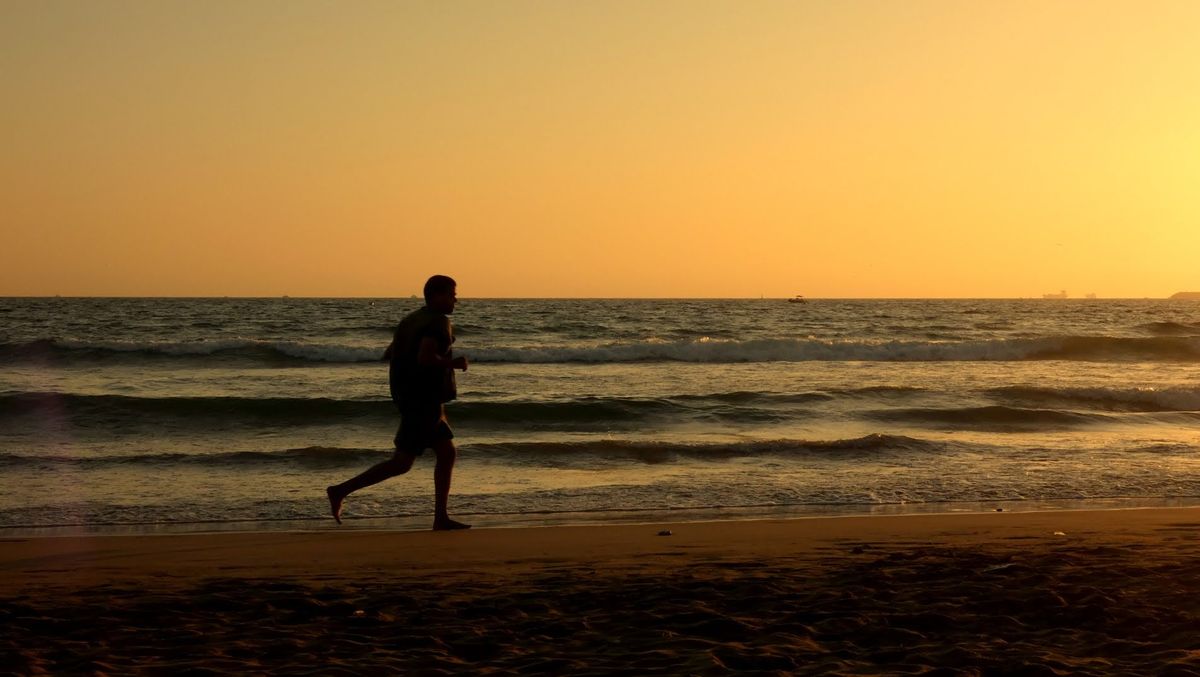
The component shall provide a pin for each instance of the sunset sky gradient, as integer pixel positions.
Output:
(667, 149)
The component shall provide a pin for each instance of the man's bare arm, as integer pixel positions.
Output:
(429, 356)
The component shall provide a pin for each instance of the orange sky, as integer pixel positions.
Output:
(666, 149)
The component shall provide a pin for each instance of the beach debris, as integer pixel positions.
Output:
(360, 613)
(999, 509)
(665, 532)
(1060, 533)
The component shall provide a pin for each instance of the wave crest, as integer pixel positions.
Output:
(1082, 348)
(1111, 399)
(990, 417)
(244, 350)
(703, 350)
(582, 412)
(1170, 328)
(649, 452)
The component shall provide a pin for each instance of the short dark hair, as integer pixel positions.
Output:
(439, 284)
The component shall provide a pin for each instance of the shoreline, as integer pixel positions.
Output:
(407, 523)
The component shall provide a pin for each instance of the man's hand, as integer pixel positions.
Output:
(430, 357)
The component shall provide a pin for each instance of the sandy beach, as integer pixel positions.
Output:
(1076, 592)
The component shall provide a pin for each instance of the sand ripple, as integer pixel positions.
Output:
(858, 608)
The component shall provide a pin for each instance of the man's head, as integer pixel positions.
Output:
(440, 293)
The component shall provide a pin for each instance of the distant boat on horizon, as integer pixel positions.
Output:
(1062, 294)
(797, 299)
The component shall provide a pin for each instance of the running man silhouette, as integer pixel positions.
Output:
(421, 377)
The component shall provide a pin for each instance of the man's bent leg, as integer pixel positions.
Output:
(398, 464)
(446, 455)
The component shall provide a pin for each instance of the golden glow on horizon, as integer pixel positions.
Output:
(854, 149)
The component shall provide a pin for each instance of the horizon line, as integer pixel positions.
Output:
(597, 298)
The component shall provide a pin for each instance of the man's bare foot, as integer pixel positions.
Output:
(448, 524)
(335, 503)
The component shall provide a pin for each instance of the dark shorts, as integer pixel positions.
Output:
(421, 428)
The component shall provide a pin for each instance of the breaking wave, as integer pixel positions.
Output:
(999, 418)
(1170, 328)
(1083, 348)
(116, 410)
(1113, 399)
(703, 350)
(649, 452)
(991, 417)
(267, 353)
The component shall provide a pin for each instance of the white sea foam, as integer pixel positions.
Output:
(704, 350)
(804, 350)
(249, 348)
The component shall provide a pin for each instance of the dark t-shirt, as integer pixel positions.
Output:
(413, 384)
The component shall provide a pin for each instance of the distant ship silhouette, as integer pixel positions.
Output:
(1060, 295)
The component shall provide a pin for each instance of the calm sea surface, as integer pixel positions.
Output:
(219, 413)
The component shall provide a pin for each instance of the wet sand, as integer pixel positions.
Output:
(1097, 592)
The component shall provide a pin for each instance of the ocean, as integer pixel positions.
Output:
(143, 414)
